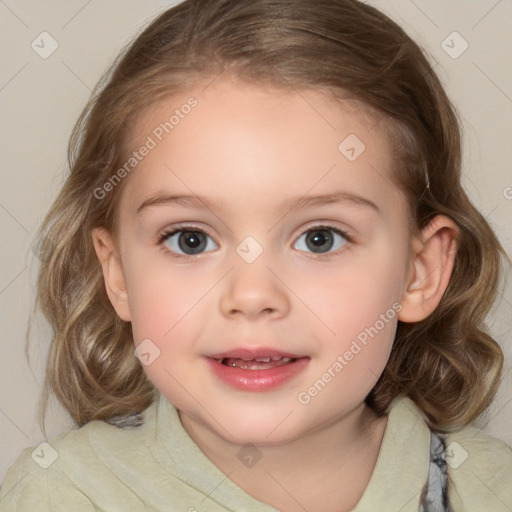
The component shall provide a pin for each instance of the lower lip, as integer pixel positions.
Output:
(257, 380)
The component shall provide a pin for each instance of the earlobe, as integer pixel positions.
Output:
(432, 264)
(113, 274)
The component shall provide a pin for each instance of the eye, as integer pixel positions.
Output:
(321, 239)
(188, 242)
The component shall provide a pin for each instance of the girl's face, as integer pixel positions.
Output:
(263, 225)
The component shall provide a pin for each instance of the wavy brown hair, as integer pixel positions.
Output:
(448, 364)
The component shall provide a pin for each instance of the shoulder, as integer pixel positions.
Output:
(479, 465)
(69, 464)
(480, 471)
(35, 477)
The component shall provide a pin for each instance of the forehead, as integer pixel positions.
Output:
(264, 144)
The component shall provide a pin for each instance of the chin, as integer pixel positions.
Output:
(261, 429)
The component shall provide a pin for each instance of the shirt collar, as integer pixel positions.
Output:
(180, 455)
(396, 483)
(402, 466)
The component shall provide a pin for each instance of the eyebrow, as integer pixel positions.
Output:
(289, 205)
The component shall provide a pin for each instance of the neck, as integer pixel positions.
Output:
(336, 461)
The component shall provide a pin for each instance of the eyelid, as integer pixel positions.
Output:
(317, 226)
(323, 225)
(167, 233)
(164, 234)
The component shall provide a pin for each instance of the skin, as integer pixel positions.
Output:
(248, 150)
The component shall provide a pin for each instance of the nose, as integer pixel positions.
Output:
(254, 291)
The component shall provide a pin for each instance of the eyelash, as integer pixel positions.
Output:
(165, 235)
(326, 227)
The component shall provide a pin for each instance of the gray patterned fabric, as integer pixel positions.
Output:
(435, 493)
(127, 421)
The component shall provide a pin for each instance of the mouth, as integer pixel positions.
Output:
(258, 359)
(260, 363)
(256, 370)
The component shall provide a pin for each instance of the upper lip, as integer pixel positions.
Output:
(248, 354)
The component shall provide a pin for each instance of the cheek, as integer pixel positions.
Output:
(169, 303)
(167, 310)
(358, 305)
(353, 296)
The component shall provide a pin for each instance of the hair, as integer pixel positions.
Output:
(447, 364)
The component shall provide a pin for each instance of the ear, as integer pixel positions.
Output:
(113, 274)
(432, 264)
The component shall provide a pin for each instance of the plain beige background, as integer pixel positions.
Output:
(40, 98)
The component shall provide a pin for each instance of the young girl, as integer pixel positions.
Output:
(266, 284)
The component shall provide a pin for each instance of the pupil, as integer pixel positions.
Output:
(192, 242)
(321, 241)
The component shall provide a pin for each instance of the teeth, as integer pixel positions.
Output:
(283, 360)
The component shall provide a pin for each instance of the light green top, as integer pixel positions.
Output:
(158, 467)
